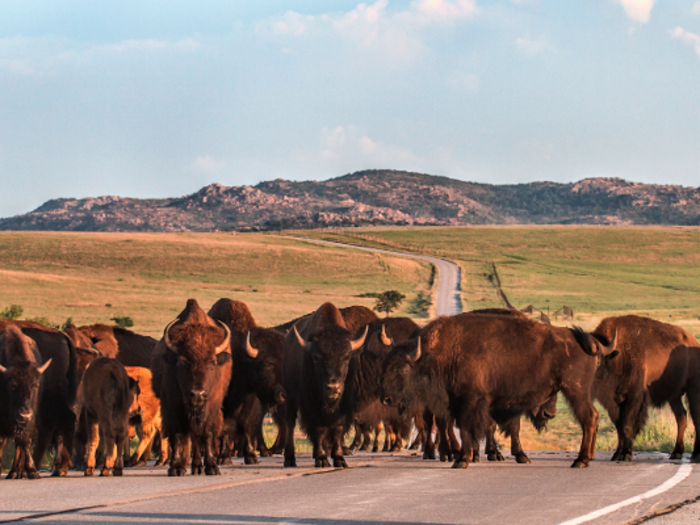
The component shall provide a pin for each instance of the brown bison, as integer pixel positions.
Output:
(21, 372)
(109, 398)
(149, 422)
(479, 368)
(55, 416)
(319, 369)
(256, 381)
(129, 348)
(191, 368)
(658, 363)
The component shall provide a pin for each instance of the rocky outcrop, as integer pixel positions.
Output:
(373, 197)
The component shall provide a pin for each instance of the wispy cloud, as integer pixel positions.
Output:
(687, 37)
(696, 9)
(638, 10)
(207, 164)
(532, 46)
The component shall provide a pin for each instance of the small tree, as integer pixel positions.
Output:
(123, 321)
(389, 301)
(12, 312)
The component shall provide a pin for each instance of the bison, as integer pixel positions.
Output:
(658, 363)
(191, 367)
(129, 348)
(149, 421)
(319, 369)
(21, 372)
(479, 368)
(55, 414)
(109, 399)
(256, 381)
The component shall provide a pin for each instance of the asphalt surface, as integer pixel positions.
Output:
(377, 488)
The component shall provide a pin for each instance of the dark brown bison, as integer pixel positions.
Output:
(55, 416)
(355, 317)
(479, 368)
(84, 349)
(149, 418)
(658, 363)
(191, 368)
(21, 370)
(256, 381)
(319, 369)
(109, 398)
(129, 348)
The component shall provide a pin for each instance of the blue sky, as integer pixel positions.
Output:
(157, 99)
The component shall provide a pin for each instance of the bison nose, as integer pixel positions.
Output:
(333, 390)
(198, 397)
(280, 398)
(386, 401)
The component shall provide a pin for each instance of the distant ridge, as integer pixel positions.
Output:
(380, 197)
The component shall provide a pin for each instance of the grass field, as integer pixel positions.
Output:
(597, 271)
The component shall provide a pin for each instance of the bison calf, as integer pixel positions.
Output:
(109, 395)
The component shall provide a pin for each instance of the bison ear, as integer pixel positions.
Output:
(222, 358)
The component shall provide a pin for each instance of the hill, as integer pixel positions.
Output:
(380, 197)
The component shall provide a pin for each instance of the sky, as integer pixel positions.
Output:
(156, 98)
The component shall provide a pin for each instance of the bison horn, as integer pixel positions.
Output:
(302, 342)
(43, 367)
(385, 340)
(415, 356)
(609, 349)
(357, 343)
(250, 349)
(226, 344)
(2, 369)
(166, 336)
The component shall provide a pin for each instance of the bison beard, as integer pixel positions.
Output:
(470, 367)
(191, 369)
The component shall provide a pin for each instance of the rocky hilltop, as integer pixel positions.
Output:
(378, 197)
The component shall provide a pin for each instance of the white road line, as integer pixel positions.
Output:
(682, 473)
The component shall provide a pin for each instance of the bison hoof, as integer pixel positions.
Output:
(89, 471)
(347, 451)
(117, 472)
(59, 473)
(364, 448)
(475, 457)
(104, 472)
(290, 462)
(177, 471)
(265, 454)
(251, 460)
(340, 463)
(225, 461)
(495, 456)
(376, 449)
(625, 457)
(197, 470)
(429, 454)
(159, 463)
(461, 463)
(212, 470)
(322, 463)
(695, 458)
(522, 458)
(676, 455)
(579, 463)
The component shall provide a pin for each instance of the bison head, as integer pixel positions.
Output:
(20, 378)
(263, 364)
(329, 355)
(401, 372)
(199, 350)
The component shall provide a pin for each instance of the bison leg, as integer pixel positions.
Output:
(66, 433)
(587, 416)
(93, 440)
(491, 449)
(633, 409)
(512, 427)
(693, 393)
(429, 444)
(336, 447)
(197, 464)
(145, 440)
(377, 433)
(444, 445)
(318, 439)
(290, 422)
(180, 453)
(281, 438)
(111, 452)
(248, 447)
(681, 423)
(357, 439)
(210, 468)
(163, 450)
(462, 461)
(260, 438)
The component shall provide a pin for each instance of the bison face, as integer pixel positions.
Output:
(398, 375)
(264, 371)
(20, 384)
(329, 356)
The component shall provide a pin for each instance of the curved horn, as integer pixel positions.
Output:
(302, 342)
(226, 345)
(357, 343)
(385, 339)
(609, 349)
(43, 367)
(415, 356)
(2, 369)
(250, 349)
(166, 337)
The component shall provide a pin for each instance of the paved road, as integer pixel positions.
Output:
(378, 488)
(447, 301)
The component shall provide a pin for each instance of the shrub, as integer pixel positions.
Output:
(389, 301)
(45, 321)
(420, 306)
(12, 312)
(123, 321)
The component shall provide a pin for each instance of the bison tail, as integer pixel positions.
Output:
(583, 338)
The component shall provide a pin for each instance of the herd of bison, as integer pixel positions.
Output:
(199, 395)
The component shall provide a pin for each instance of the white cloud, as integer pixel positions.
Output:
(687, 37)
(207, 164)
(638, 10)
(696, 8)
(532, 46)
